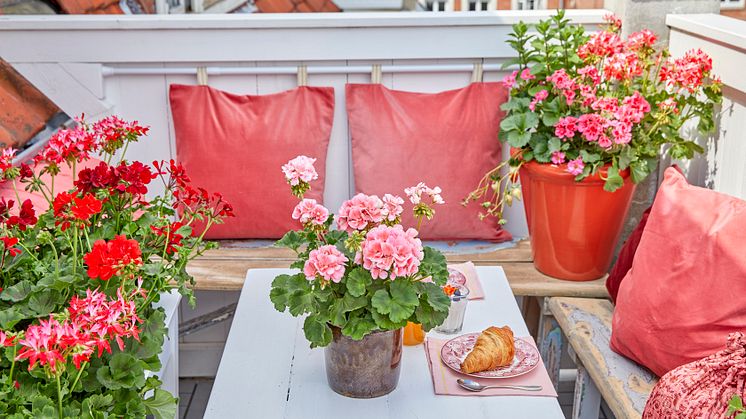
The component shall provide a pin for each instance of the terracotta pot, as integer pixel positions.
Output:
(574, 226)
(365, 368)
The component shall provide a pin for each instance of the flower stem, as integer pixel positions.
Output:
(59, 396)
(77, 377)
(13, 365)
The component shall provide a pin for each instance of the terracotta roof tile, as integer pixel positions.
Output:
(24, 110)
(81, 7)
(296, 6)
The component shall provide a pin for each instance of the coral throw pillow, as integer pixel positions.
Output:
(446, 139)
(682, 296)
(701, 389)
(236, 144)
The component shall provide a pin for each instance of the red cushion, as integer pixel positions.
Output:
(680, 300)
(626, 256)
(446, 139)
(236, 144)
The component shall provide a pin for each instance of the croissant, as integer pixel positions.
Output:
(494, 348)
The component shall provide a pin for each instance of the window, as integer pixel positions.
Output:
(732, 4)
(529, 4)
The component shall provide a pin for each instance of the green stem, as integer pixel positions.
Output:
(59, 396)
(28, 251)
(124, 151)
(13, 365)
(75, 250)
(77, 377)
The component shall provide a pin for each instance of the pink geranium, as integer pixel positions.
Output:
(558, 157)
(416, 192)
(592, 126)
(392, 207)
(360, 212)
(509, 80)
(300, 169)
(575, 167)
(538, 97)
(566, 127)
(308, 211)
(526, 74)
(327, 262)
(391, 252)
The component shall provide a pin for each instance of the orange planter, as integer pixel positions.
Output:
(574, 226)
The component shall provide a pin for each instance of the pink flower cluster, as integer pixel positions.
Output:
(309, 212)
(363, 212)
(687, 72)
(415, 193)
(93, 322)
(510, 80)
(300, 169)
(326, 262)
(6, 159)
(391, 252)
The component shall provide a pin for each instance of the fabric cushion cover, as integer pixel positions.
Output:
(447, 139)
(236, 145)
(682, 296)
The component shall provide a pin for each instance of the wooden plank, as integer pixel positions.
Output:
(587, 400)
(225, 269)
(624, 385)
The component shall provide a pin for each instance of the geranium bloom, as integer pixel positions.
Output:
(558, 157)
(561, 80)
(687, 72)
(67, 145)
(112, 131)
(6, 159)
(671, 104)
(300, 169)
(621, 131)
(170, 231)
(601, 44)
(107, 259)
(392, 207)
(575, 167)
(132, 178)
(591, 72)
(644, 39)
(99, 177)
(308, 211)
(6, 340)
(604, 141)
(566, 127)
(592, 126)
(360, 212)
(614, 22)
(526, 74)
(26, 216)
(41, 343)
(509, 80)
(8, 243)
(391, 252)
(327, 262)
(538, 97)
(415, 193)
(85, 207)
(623, 66)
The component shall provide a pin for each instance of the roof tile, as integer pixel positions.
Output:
(296, 6)
(81, 7)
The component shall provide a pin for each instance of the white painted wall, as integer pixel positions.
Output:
(723, 165)
(66, 57)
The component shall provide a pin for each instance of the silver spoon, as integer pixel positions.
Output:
(472, 385)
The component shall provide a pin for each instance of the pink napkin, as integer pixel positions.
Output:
(472, 279)
(444, 378)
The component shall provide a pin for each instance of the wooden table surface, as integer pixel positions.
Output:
(268, 370)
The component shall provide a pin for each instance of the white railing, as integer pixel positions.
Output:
(723, 166)
(101, 65)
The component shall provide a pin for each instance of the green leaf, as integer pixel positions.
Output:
(292, 240)
(428, 317)
(317, 331)
(122, 371)
(358, 327)
(17, 292)
(626, 156)
(613, 180)
(639, 170)
(437, 299)
(162, 405)
(554, 144)
(283, 286)
(344, 305)
(357, 281)
(589, 157)
(384, 322)
(517, 139)
(93, 406)
(44, 302)
(434, 265)
(301, 302)
(9, 317)
(399, 304)
(516, 104)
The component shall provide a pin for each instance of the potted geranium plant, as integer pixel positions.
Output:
(79, 332)
(586, 120)
(361, 283)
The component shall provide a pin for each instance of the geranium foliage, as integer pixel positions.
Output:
(79, 333)
(368, 274)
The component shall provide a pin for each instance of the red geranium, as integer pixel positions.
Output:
(83, 208)
(107, 259)
(8, 243)
(170, 231)
(133, 177)
(99, 177)
(26, 216)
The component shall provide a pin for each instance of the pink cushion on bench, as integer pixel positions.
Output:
(236, 144)
(683, 294)
(446, 139)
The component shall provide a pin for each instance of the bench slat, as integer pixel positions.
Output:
(624, 385)
(224, 269)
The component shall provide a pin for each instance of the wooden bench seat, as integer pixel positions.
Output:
(224, 269)
(623, 384)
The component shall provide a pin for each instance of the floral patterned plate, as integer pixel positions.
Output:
(455, 277)
(455, 350)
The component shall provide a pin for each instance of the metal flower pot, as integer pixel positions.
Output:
(365, 368)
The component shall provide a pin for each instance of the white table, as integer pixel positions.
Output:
(268, 370)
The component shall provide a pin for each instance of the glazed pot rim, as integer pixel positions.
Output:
(375, 332)
(558, 173)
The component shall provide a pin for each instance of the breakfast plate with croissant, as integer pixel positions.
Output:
(493, 353)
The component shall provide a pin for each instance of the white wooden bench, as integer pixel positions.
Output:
(623, 384)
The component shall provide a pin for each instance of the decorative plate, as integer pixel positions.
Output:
(455, 350)
(455, 277)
